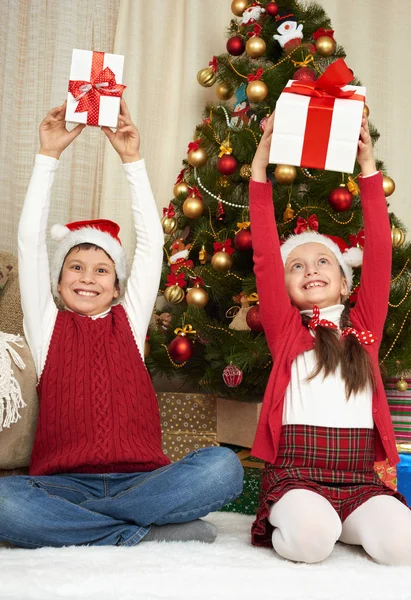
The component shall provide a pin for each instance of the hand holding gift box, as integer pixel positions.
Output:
(95, 88)
(317, 123)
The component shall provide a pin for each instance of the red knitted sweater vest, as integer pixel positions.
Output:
(98, 410)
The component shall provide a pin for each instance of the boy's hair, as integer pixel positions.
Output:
(87, 246)
(331, 350)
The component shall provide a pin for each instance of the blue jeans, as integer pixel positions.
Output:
(116, 508)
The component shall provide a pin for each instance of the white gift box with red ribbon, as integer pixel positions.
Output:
(317, 124)
(95, 88)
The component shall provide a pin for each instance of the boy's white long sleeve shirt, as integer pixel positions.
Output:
(38, 305)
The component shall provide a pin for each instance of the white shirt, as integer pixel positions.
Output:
(39, 309)
(320, 401)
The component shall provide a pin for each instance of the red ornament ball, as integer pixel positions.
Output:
(227, 164)
(340, 199)
(181, 349)
(291, 45)
(253, 319)
(305, 74)
(271, 9)
(242, 240)
(235, 45)
(232, 376)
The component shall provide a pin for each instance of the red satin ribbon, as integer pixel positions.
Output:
(304, 224)
(180, 176)
(169, 212)
(102, 83)
(193, 145)
(198, 281)
(174, 279)
(323, 93)
(214, 64)
(364, 337)
(321, 32)
(194, 191)
(256, 31)
(357, 240)
(224, 246)
(257, 75)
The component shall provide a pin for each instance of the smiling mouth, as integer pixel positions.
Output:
(314, 284)
(86, 294)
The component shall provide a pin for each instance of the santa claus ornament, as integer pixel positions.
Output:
(252, 14)
(289, 34)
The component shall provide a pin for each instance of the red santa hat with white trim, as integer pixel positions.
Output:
(99, 232)
(347, 257)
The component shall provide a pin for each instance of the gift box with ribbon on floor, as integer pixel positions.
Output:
(317, 123)
(95, 88)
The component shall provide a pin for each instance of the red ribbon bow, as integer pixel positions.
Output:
(194, 191)
(303, 224)
(88, 93)
(198, 281)
(257, 75)
(193, 146)
(321, 32)
(364, 337)
(315, 320)
(256, 31)
(336, 76)
(357, 240)
(169, 212)
(224, 246)
(173, 279)
(180, 176)
(213, 64)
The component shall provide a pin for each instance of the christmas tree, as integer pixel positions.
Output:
(209, 333)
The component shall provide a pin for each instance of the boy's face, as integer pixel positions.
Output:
(313, 276)
(88, 281)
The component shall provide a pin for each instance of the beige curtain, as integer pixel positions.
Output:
(37, 39)
(165, 43)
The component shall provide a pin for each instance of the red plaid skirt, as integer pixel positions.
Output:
(336, 463)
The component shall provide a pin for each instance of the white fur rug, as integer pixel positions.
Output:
(230, 569)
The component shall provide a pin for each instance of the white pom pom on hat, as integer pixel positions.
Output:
(347, 257)
(99, 232)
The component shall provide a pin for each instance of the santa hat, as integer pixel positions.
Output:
(99, 232)
(346, 257)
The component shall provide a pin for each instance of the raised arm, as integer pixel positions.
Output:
(275, 305)
(372, 304)
(143, 283)
(37, 301)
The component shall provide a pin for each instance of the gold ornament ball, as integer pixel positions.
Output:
(197, 158)
(325, 45)
(245, 171)
(223, 91)
(366, 111)
(256, 91)
(193, 207)
(255, 47)
(388, 185)
(397, 236)
(285, 174)
(238, 7)
(197, 296)
(169, 225)
(181, 190)
(206, 77)
(174, 294)
(222, 261)
(147, 348)
(402, 385)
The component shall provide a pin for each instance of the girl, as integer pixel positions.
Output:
(98, 475)
(325, 418)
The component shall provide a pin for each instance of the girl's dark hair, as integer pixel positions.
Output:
(87, 246)
(332, 350)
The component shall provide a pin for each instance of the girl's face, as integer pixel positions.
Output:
(88, 282)
(313, 276)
